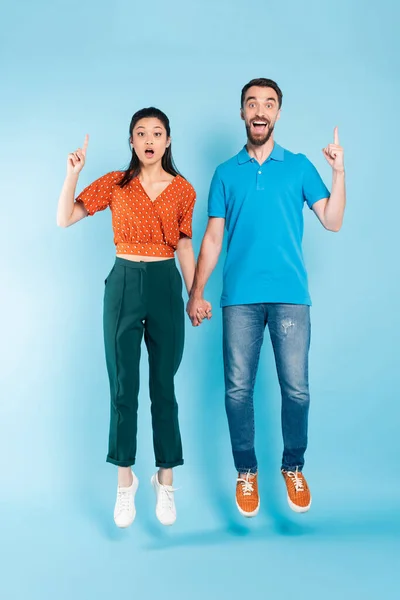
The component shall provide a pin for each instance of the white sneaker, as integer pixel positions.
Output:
(125, 511)
(165, 506)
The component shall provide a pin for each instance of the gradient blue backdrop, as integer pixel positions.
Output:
(77, 67)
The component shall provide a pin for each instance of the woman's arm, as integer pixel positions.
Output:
(69, 211)
(198, 308)
(187, 261)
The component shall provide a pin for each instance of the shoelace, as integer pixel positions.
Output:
(247, 486)
(167, 497)
(123, 500)
(298, 481)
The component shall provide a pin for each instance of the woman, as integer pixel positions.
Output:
(152, 207)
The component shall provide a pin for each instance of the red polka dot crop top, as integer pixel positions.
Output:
(142, 226)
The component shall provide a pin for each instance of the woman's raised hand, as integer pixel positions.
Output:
(76, 160)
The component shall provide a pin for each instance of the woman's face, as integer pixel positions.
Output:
(149, 140)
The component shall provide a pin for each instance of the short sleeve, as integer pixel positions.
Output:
(216, 197)
(97, 196)
(314, 188)
(186, 216)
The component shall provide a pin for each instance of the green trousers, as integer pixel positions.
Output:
(143, 299)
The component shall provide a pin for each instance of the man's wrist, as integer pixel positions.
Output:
(196, 293)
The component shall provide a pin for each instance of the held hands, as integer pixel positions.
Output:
(334, 153)
(198, 309)
(76, 160)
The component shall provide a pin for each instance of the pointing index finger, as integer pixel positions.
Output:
(85, 144)
(336, 136)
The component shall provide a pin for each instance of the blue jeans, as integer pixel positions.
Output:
(243, 334)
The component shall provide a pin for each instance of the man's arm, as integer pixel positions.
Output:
(330, 211)
(198, 308)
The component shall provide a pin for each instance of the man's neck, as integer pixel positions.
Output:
(260, 153)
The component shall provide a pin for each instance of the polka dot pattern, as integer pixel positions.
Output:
(142, 226)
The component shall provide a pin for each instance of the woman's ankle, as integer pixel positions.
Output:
(125, 477)
(165, 476)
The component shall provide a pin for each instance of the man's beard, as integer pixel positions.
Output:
(259, 141)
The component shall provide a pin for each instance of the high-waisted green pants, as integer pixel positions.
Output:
(143, 298)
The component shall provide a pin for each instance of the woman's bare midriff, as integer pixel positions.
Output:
(138, 258)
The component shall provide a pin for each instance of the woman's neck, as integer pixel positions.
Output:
(153, 173)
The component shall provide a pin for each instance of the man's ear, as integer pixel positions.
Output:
(242, 114)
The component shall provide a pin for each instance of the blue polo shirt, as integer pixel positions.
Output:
(263, 210)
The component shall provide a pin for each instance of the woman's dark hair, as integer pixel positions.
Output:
(262, 82)
(167, 162)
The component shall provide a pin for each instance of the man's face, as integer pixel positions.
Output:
(260, 112)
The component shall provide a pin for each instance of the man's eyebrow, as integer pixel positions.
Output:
(254, 98)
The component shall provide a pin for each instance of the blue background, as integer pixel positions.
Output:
(77, 67)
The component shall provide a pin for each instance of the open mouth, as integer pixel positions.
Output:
(259, 126)
(149, 152)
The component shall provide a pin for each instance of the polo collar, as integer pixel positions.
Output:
(277, 153)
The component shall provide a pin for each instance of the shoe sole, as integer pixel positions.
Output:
(134, 514)
(152, 481)
(127, 525)
(298, 509)
(248, 514)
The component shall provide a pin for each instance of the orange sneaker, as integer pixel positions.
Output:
(298, 492)
(247, 498)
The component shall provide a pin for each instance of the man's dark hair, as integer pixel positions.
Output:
(262, 82)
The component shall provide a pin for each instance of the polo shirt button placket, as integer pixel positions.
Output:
(260, 183)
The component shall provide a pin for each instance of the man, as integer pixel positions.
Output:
(258, 196)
